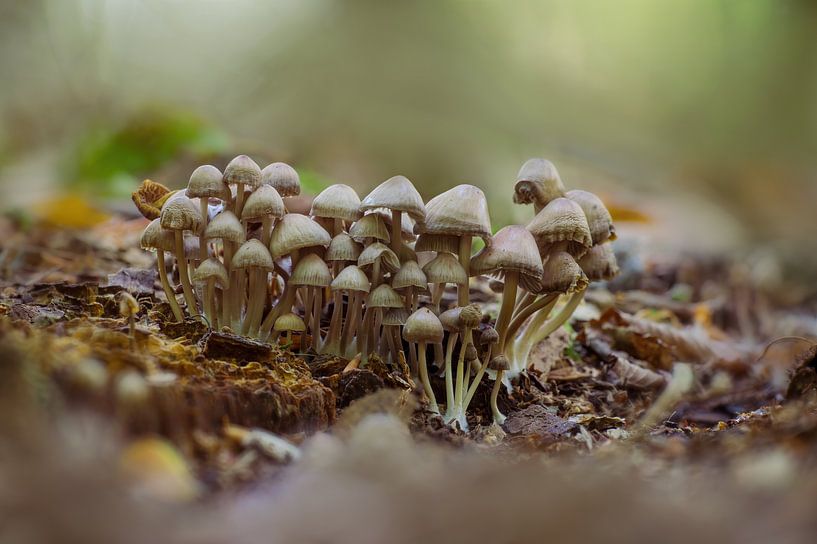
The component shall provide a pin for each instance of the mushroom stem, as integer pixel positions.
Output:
(266, 229)
(210, 303)
(465, 261)
(306, 295)
(229, 292)
(522, 316)
(171, 296)
(239, 199)
(432, 401)
(396, 231)
(332, 344)
(202, 241)
(245, 323)
(508, 302)
(259, 296)
(536, 334)
(352, 315)
(363, 339)
(376, 273)
(284, 304)
(184, 274)
(458, 392)
(477, 379)
(449, 378)
(317, 295)
(515, 347)
(499, 417)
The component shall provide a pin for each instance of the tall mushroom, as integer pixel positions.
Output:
(538, 183)
(242, 171)
(155, 237)
(210, 272)
(382, 296)
(227, 228)
(255, 259)
(313, 274)
(462, 212)
(354, 282)
(180, 214)
(423, 328)
(206, 182)
(337, 202)
(398, 195)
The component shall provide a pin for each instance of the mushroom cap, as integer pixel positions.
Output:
(242, 169)
(343, 248)
(264, 201)
(450, 319)
(180, 213)
(396, 193)
(211, 268)
(207, 181)
(409, 275)
(598, 218)
(370, 226)
(351, 278)
(395, 316)
(488, 336)
(128, 305)
(289, 322)
(311, 271)
(470, 316)
(438, 243)
(283, 179)
(445, 268)
(500, 362)
(252, 254)
(599, 263)
(538, 181)
(296, 231)
(423, 326)
(388, 260)
(383, 296)
(338, 202)
(562, 274)
(459, 211)
(562, 220)
(513, 248)
(226, 226)
(156, 237)
(471, 353)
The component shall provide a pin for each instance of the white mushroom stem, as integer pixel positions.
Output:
(229, 291)
(184, 274)
(375, 279)
(350, 326)
(306, 295)
(499, 417)
(266, 229)
(363, 339)
(508, 302)
(239, 199)
(516, 346)
(169, 293)
(204, 218)
(477, 379)
(538, 332)
(210, 303)
(522, 316)
(432, 401)
(396, 231)
(458, 392)
(317, 295)
(258, 300)
(449, 378)
(332, 344)
(465, 261)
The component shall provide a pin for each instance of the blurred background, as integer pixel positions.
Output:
(696, 116)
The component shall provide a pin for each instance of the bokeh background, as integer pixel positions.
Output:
(698, 116)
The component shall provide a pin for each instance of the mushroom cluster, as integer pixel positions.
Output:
(356, 277)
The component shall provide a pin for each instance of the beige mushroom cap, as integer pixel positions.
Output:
(225, 226)
(311, 271)
(598, 218)
(207, 181)
(351, 278)
(388, 260)
(343, 248)
(562, 220)
(513, 249)
(500, 362)
(395, 316)
(562, 274)
(264, 201)
(460, 211)
(242, 169)
(396, 193)
(383, 296)
(488, 336)
(283, 179)
(289, 322)
(409, 275)
(450, 319)
(156, 237)
(295, 231)
(445, 268)
(211, 268)
(337, 202)
(252, 254)
(180, 213)
(599, 263)
(538, 181)
(423, 326)
(370, 226)
(438, 243)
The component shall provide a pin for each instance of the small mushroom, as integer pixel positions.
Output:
(487, 340)
(206, 182)
(411, 280)
(381, 259)
(399, 195)
(438, 243)
(538, 183)
(443, 269)
(339, 203)
(209, 272)
(178, 215)
(242, 171)
(354, 282)
(283, 178)
(255, 259)
(287, 324)
(369, 228)
(227, 228)
(128, 308)
(562, 220)
(450, 320)
(423, 328)
(313, 274)
(264, 205)
(155, 237)
(599, 263)
(343, 249)
(382, 296)
(598, 218)
(393, 320)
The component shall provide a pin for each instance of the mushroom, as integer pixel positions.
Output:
(538, 182)
(421, 328)
(438, 243)
(598, 218)
(443, 269)
(398, 195)
(382, 296)
(255, 259)
(487, 340)
(242, 171)
(342, 249)
(354, 281)
(463, 212)
(263, 205)
(563, 222)
(500, 365)
(599, 263)
(338, 202)
(450, 320)
(313, 274)
(393, 319)
(514, 255)
(410, 279)
(128, 308)
(469, 318)
(283, 178)
(227, 228)
(381, 259)
(289, 323)
(155, 237)
(368, 228)
(209, 272)
(206, 182)
(178, 215)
